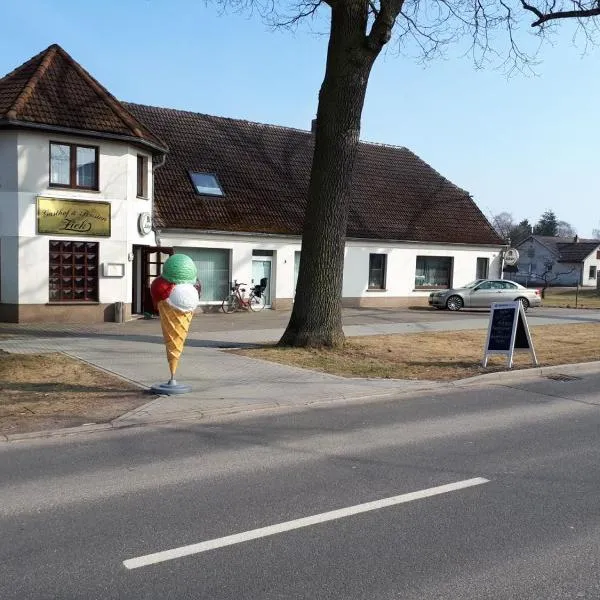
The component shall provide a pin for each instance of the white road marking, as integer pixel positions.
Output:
(238, 538)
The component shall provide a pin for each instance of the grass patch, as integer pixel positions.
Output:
(566, 298)
(45, 391)
(439, 356)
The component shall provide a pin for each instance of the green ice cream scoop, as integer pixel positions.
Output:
(179, 268)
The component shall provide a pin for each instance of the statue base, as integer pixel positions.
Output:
(171, 388)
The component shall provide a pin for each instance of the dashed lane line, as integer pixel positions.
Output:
(238, 538)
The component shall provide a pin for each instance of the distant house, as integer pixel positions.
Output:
(95, 193)
(558, 261)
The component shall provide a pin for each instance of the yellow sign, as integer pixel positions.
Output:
(73, 217)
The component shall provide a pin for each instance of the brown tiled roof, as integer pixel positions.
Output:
(264, 171)
(576, 251)
(52, 90)
(565, 248)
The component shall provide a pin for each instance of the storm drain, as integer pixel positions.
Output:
(562, 377)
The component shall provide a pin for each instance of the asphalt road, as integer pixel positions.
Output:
(525, 525)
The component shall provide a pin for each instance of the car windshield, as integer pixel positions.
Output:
(473, 284)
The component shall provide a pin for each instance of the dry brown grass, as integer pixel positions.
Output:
(44, 391)
(439, 356)
(566, 298)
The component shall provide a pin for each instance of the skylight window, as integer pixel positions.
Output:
(206, 184)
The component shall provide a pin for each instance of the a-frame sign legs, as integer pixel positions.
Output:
(508, 332)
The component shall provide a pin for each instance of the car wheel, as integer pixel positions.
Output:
(454, 303)
(524, 303)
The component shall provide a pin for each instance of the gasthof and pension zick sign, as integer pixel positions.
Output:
(73, 217)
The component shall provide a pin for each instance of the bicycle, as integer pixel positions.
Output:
(236, 301)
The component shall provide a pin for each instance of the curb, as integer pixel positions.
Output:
(118, 424)
(121, 422)
(518, 374)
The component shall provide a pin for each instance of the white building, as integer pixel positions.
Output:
(75, 174)
(546, 260)
(95, 193)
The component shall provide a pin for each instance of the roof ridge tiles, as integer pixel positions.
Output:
(18, 68)
(257, 123)
(201, 114)
(128, 119)
(28, 89)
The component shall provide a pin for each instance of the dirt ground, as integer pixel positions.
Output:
(440, 356)
(48, 391)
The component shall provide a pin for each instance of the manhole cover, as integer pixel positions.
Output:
(562, 377)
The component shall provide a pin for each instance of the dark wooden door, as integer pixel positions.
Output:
(153, 259)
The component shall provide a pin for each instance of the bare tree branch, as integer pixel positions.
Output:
(551, 15)
(381, 30)
(538, 13)
(303, 10)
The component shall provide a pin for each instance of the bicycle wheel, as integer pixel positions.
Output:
(229, 304)
(257, 302)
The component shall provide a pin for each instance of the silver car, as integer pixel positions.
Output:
(482, 293)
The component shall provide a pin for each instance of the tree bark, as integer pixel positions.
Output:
(316, 319)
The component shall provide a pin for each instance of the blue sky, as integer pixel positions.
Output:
(519, 144)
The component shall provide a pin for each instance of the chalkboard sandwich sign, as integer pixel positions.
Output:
(508, 332)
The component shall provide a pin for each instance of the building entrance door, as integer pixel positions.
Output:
(152, 259)
(261, 267)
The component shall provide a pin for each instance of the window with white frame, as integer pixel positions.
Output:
(483, 268)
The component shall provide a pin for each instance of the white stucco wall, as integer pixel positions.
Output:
(117, 185)
(241, 247)
(401, 261)
(401, 266)
(9, 214)
(590, 261)
(8, 183)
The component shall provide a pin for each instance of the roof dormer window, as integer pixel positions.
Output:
(206, 184)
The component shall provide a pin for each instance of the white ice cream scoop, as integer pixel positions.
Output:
(183, 297)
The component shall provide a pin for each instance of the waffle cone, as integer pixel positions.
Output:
(175, 325)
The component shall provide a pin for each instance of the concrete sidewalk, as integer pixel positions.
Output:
(223, 382)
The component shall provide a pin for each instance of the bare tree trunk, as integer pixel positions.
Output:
(316, 318)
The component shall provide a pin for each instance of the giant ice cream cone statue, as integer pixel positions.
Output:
(175, 298)
(175, 325)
